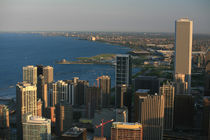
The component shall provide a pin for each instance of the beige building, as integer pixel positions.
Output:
(4, 122)
(184, 32)
(26, 102)
(168, 91)
(48, 74)
(150, 114)
(36, 128)
(126, 131)
(30, 74)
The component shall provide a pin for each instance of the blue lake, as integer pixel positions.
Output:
(18, 50)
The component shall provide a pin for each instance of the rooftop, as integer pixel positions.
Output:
(126, 125)
(74, 132)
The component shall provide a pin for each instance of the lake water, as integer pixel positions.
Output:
(18, 50)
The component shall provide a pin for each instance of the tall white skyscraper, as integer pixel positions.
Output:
(30, 74)
(184, 31)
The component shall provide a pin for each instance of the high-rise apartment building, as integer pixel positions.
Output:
(4, 122)
(126, 131)
(36, 128)
(30, 74)
(26, 102)
(39, 107)
(104, 82)
(151, 115)
(48, 74)
(123, 69)
(168, 91)
(62, 89)
(53, 97)
(64, 117)
(184, 32)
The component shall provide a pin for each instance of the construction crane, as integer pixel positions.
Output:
(102, 126)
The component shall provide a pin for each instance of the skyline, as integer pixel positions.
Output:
(108, 16)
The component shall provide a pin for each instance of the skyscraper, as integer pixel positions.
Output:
(168, 91)
(104, 82)
(30, 74)
(120, 93)
(35, 127)
(180, 84)
(150, 114)
(126, 131)
(123, 69)
(54, 97)
(64, 117)
(184, 31)
(26, 102)
(48, 74)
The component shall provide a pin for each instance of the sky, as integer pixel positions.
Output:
(103, 15)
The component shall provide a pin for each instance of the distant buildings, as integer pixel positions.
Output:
(147, 82)
(150, 113)
(30, 74)
(168, 91)
(26, 102)
(75, 133)
(126, 131)
(184, 31)
(104, 82)
(35, 127)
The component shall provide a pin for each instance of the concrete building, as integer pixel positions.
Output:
(26, 102)
(168, 91)
(53, 96)
(104, 82)
(151, 115)
(64, 117)
(126, 131)
(48, 74)
(4, 122)
(75, 133)
(183, 61)
(30, 74)
(181, 86)
(62, 91)
(147, 82)
(36, 128)
(183, 111)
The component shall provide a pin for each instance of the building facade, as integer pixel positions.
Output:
(4, 122)
(48, 74)
(151, 115)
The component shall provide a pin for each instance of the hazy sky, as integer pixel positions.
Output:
(102, 15)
